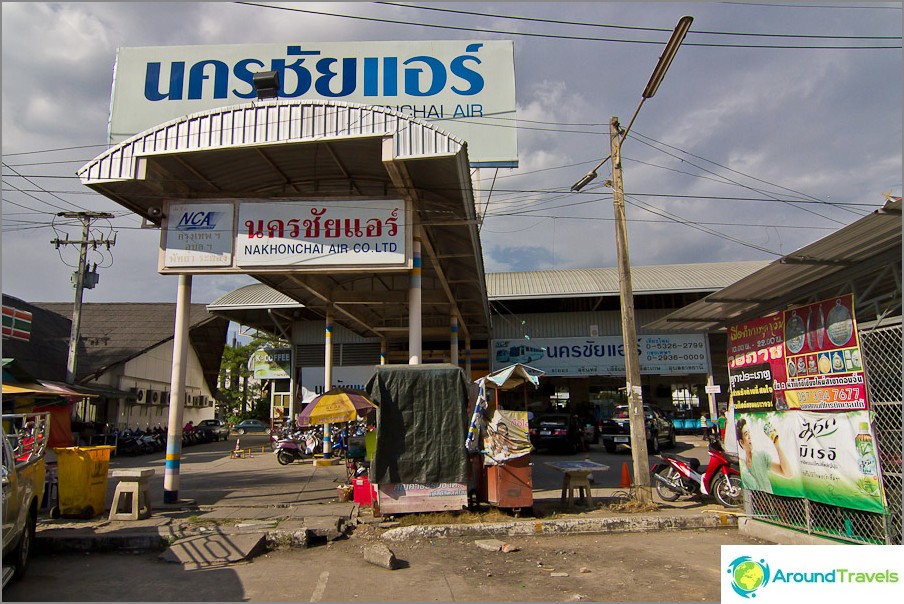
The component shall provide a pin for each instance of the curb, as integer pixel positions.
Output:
(558, 527)
(145, 541)
(159, 538)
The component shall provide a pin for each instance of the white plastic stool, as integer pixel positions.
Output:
(134, 491)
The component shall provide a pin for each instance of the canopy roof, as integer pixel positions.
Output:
(863, 258)
(321, 150)
(513, 376)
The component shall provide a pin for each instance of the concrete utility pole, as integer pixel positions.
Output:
(629, 330)
(79, 277)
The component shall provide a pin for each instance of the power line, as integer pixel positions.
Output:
(628, 27)
(557, 36)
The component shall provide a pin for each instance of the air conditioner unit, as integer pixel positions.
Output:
(141, 395)
(154, 397)
(164, 398)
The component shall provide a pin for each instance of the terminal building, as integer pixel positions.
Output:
(566, 323)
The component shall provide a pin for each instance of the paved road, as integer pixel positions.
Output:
(645, 567)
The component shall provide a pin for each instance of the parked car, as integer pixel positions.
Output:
(616, 431)
(251, 425)
(218, 427)
(558, 431)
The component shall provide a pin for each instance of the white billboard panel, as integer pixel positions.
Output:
(199, 235)
(464, 87)
(242, 236)
(316, 234)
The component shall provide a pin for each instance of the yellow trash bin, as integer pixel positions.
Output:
(82, 480)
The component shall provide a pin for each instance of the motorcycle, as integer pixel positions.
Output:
(288, 450)
(678, 476)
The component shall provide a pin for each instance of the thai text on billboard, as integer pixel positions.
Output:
(464, 87)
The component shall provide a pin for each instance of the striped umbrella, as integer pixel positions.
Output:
(335, 406)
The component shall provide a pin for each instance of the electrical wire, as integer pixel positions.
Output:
(556, 36)
(626, 27)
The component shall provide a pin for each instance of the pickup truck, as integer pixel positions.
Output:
(25, 437)
(617, 430)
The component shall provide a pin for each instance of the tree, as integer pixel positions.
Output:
(239, 396)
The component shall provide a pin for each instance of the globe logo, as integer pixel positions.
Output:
(748, 575)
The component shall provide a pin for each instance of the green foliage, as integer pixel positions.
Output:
(239, 396)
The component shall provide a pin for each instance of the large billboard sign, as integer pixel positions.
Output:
(243, 236)
(464, 87)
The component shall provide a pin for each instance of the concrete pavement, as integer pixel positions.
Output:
(235, 508)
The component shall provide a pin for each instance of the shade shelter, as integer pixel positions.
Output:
(334, 154)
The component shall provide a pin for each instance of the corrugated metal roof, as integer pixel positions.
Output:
(256, 295)
(863, 258)
(586, 282)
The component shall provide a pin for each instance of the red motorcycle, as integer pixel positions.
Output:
(677, 476)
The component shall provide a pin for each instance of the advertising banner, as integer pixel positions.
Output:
(808, 356)
(271, 363)
(402, 498)
(799, 396)
(824, 457)
(507, 437)
(465, 87)
(604, 355)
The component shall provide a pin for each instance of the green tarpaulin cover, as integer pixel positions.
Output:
(421, 424)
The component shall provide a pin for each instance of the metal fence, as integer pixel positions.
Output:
(881, 348)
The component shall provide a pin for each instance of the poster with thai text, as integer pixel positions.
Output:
(805, 358)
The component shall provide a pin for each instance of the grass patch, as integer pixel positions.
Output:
(484, 516)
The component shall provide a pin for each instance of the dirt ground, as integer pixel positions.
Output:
(637, 567)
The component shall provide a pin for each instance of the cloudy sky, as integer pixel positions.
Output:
(775, 125)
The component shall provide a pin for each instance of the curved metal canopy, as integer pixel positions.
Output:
(322, 150)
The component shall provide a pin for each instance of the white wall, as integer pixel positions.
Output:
(153, 370)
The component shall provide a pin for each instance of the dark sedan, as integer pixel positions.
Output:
(558, 431)
(251, 425)
(218, 428)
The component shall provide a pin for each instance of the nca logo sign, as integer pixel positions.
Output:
(199, 221)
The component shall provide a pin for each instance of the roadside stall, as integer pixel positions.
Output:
(419, 464)
(502, 470)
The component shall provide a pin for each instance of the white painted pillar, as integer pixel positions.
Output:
(328, 377)
(415, 329)
(177, 392)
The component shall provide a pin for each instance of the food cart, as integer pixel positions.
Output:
(501, 465)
